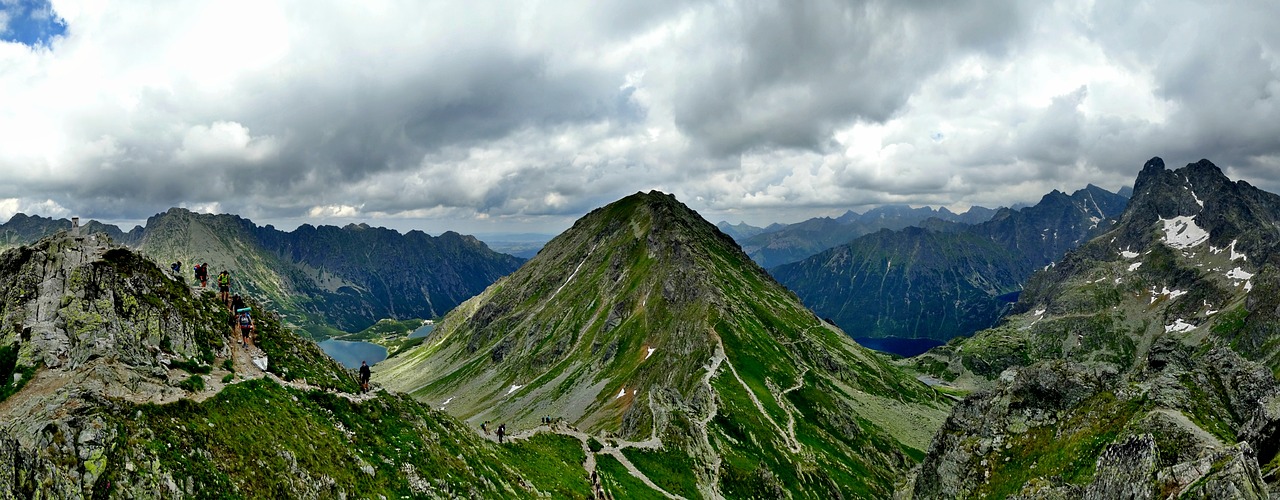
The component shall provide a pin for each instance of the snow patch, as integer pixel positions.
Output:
(1179, 326)
(1128, 255)
(1134, 266)
(646, 356)
(1182, 232)
(1248, 285)
(1235, 255)
(514, 388)
(1040, 312)
(1239, 274)
(622, 393)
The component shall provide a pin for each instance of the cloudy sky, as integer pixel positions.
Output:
(522, 115)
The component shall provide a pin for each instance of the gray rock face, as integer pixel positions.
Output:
(1061, 428)
(93, 322)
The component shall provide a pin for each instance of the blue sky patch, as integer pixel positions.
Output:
(30, 22)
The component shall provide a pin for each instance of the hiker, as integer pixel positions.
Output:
(364, 377)
(246, 328)
(202, 274)
(484, 427)
(224, 286)
(177, 267)
(502, 431)
(237, 303)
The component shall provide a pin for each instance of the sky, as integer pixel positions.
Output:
(521, 116)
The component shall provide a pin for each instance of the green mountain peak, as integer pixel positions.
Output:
(645, 324)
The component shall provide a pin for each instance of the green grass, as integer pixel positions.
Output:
(617, 480)
(190, 366)
(671, 470)
(8, 367)
(553, 462)
(257, 439)
(194, 383)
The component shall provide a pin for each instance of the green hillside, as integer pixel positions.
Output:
(644, 325)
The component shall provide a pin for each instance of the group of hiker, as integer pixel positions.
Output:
(242, 317)
(501, 432)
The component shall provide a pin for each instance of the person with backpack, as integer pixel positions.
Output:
(364, 377)
(246, 328)
(202, 274)
(177, 268)
(502, 431)
(224, 286)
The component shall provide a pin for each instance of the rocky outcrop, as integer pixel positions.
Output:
(1139, 356)
(1067, 428)
(129, 386)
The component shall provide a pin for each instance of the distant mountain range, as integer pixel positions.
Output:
(320, 278)
(785, 243)
(950, 280)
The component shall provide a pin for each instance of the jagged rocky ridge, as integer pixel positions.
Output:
(1140, 366)
(949, 280)
(644, 324)
(121, 382)
(323, 279)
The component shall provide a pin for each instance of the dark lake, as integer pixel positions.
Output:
(350, 354)
(422, 331)
(897, 345)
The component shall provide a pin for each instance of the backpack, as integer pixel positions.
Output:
(245, 321)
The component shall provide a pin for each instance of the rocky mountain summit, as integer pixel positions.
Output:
(646, 327)
(121, 381)
(949, 280)
(1140, 366)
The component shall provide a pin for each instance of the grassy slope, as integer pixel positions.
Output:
(615, 300)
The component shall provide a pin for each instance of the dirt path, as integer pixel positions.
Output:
(589, 466)
(792, 444)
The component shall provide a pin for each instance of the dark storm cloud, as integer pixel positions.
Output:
(541, 111)
(786, 74)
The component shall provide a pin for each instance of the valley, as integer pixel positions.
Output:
(643, 353)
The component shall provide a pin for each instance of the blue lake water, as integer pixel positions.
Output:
(422, 332)
(897, 345)
(350, 354)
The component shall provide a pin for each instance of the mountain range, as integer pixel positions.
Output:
(781, 244)
(643, 354)
(1139, 366)
(950, 280)
(323, 279)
